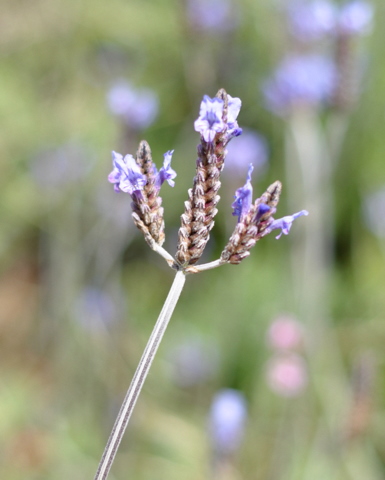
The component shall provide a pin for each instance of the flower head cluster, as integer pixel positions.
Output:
(217, 125)
(137, 107)
(311, 20)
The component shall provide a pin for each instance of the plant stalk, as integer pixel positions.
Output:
(139, 377)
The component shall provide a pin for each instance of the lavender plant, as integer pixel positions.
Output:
(139, 177)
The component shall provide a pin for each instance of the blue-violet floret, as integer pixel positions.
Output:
(210, 122)
(126, 175)
(243, 197)
(285, 223)
(166, 173)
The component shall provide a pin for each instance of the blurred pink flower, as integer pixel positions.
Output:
(285, 333)
(287, 375)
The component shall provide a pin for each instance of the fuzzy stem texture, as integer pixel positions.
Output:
(139, 377)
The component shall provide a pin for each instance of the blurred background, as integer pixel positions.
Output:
(273, 369)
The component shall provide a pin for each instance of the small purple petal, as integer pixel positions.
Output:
(262, 209)
(210, 122)
(234, 107)
(166, 173)
(285, 223)
(243, 197)
(126, 175)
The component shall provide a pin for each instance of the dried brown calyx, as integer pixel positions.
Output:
(146, 208)
(252, 226)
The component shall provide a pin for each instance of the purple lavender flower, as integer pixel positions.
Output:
(216, 16)
(249, 148)
(137, 107)
(210, 122)
(126, 175)
(306, 79)
(227, 420)
(243, 197)
(355, 18)
(311, 20)
(285, 223)
(166, 173)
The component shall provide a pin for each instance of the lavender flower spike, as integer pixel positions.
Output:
(166, 173)
(243, 197)
(210, 122)
(285, 223)
(126, 175)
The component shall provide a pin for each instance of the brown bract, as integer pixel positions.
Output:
(147, 210)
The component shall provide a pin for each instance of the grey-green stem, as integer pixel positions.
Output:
(139, 377)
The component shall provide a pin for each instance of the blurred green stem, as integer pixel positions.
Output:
(139, 377)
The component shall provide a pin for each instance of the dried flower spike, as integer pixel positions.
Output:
(254, 220)
(217, 124)
(141, 179)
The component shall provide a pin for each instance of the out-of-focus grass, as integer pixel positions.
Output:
(62, 380)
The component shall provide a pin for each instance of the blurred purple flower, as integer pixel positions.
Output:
(355, 18)
(126, 175)
(243, 197)
(210, 122)
(227, 420)
(284, 223)
(138, 107)
(249, 148)
(60, 166)
(95, 310)
(213, 16)
(193, 362)
(285, 333)
(311, 20)
(287, 375)
(306, 79)
(373, 211)
(166, 173)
